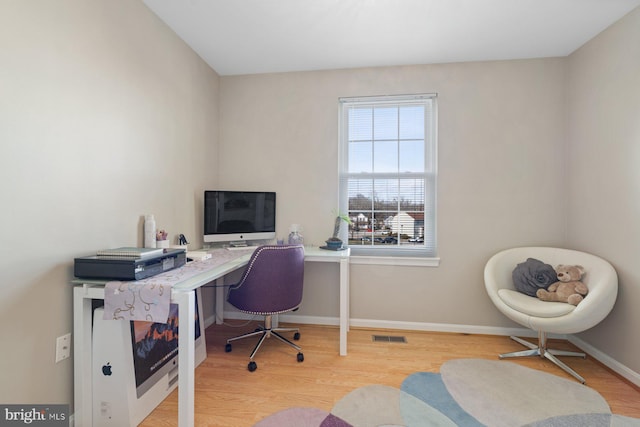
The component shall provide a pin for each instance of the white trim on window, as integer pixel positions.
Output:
(390, 196)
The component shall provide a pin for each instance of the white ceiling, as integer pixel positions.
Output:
(261, 36)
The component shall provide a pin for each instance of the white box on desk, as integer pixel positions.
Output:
(198, 255)
(117, 400)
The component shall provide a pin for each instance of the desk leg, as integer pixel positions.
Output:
(344, 305)
(82, 389)
(220, 296)
(186, 357)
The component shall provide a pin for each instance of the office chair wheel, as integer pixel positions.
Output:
(296, 336)
(227, 348)
(300, 357)
(252, 366)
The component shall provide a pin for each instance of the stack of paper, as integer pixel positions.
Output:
(130, 252)
(198, 255)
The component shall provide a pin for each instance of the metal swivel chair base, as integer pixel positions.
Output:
(265, 332)
(542, 351)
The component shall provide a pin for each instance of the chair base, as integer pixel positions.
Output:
(265, 332)
(541, 350)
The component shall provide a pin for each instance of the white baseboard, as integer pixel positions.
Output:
(608, 361)
(395, 325)
(209, 321)
(440, 327)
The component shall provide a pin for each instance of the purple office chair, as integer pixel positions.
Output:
(271, 284)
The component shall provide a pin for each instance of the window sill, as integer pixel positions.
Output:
(394, 260)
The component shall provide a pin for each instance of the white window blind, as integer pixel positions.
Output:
(388, 174)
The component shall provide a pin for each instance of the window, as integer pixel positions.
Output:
(388, 174)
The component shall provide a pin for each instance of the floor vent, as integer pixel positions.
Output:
(388, 338)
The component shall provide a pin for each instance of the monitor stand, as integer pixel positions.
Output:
(238, 244)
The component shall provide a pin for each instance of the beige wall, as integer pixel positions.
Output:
(603, 173)
(501, 133)
(531, 152)
(106, 115)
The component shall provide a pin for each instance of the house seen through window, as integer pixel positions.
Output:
(388, 174)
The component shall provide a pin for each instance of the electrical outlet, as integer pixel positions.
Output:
(63, 347)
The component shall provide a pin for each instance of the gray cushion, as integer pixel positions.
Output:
(531, 275)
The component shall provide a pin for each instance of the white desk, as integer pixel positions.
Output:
(182, 294)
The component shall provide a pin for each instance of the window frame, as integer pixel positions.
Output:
(421, 254)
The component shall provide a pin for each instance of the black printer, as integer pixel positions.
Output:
(128, 268)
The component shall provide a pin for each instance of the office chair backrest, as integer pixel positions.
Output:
(272, 282)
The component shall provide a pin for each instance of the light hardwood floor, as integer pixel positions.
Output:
(228, 395)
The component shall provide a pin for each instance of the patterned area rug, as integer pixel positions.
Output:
(466, 392)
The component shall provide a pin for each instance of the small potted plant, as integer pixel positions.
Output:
(334, 242)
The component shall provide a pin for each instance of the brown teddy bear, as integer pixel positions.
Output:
(568, 288)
